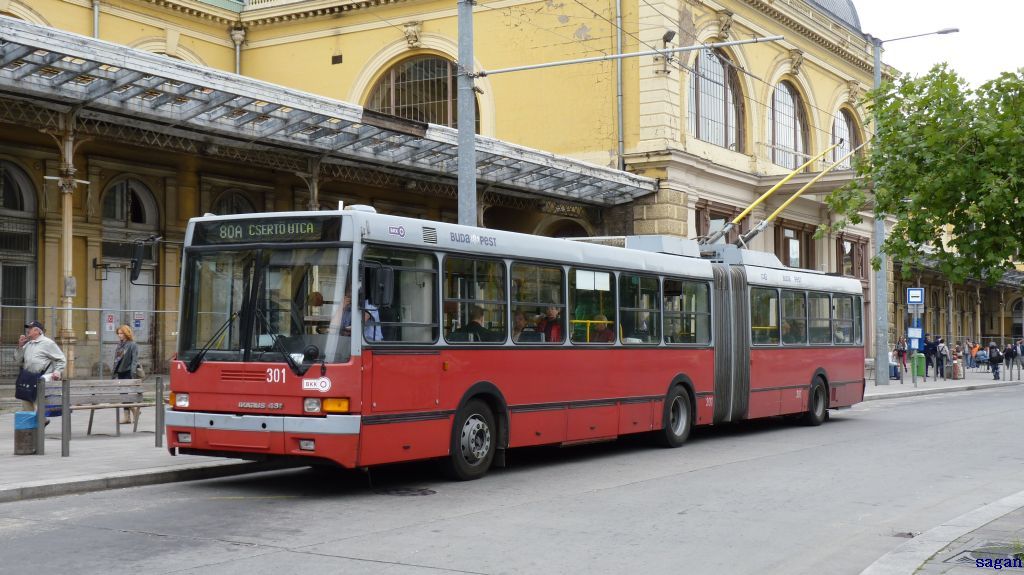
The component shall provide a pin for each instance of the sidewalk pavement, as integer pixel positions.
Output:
(105, 461)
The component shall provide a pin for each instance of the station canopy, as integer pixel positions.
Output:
(121, 86)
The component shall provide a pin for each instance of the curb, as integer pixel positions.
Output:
(138, 478)
(910, 556)
(916, 392)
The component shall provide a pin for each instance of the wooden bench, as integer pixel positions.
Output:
(93, 394)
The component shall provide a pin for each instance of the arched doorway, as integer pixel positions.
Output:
(130, 214)
(566, 229)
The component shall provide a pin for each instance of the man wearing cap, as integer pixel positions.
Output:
(40, 354)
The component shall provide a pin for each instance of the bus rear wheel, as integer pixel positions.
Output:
(677, 419)
(817, 404)
(473, 442)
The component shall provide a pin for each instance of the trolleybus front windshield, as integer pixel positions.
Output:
(266, 305)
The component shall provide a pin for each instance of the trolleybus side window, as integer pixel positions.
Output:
(639, 312)
(794, 317)
(687, 312)
(764, 316)
(412, 315)
(820, 322)
(858, 332)
(592, 301)
(536, 290)
(843, 323)
(474, 300)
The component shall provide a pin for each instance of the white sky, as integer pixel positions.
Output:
(989, 41)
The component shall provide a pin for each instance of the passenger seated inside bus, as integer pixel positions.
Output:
(519, 324)
(601, 333)
(551, 324)
(793, 331)
(475, 328)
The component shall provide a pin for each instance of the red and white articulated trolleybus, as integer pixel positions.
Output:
(363, 339)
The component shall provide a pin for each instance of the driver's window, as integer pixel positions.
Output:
(303, 291)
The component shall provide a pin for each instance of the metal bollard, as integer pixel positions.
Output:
(65, 418)
(40, 416)
(159, 411)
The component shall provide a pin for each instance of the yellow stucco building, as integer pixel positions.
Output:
(712, 129)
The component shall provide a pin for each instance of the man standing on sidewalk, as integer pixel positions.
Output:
(39, 354)
(995, 359)
(930, 349)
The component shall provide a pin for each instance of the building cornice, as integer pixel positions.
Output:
(264, 12)
(202, 10)
(856, 55)
(285, 11)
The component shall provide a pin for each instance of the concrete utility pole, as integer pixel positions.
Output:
(467, 117)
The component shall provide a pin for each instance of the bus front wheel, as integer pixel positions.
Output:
(677, 419)
(817, 404)
(473, 442)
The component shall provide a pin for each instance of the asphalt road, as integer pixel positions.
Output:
(762, 497)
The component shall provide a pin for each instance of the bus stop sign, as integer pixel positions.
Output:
(915, 295)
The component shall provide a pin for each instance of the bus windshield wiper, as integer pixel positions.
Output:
(194, 363)
(295, 367)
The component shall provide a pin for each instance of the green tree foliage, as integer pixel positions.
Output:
(946, 162)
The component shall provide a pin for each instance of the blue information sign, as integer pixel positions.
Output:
(915, 295)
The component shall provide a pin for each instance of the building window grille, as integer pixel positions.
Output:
(123, 202)
(421, 88)
(233, 202)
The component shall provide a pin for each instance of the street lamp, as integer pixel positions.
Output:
(882, 275)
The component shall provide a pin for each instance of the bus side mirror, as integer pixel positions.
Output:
(382, 286)
(138, 252)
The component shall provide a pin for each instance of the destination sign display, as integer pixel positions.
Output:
(268, 230)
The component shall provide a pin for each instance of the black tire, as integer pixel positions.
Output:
(817, 404)
(677, 418)
(474, 441)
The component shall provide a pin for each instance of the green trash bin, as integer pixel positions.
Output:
(918, 364)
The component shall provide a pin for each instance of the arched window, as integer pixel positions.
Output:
(788, 128)
(11, 194)
(233, 202)
(843, 127)
(716, 109)
(421, 88)
(125, 203)
(17, 251)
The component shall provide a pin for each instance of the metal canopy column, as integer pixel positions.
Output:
(67, 143)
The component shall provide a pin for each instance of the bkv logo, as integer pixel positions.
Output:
(321, 384)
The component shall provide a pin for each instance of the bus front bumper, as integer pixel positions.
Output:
(333, 437)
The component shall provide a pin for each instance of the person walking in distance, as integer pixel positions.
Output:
(1018, 348)
(1009, 358)
(38, 354)
(901, 352)
(126, 356)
